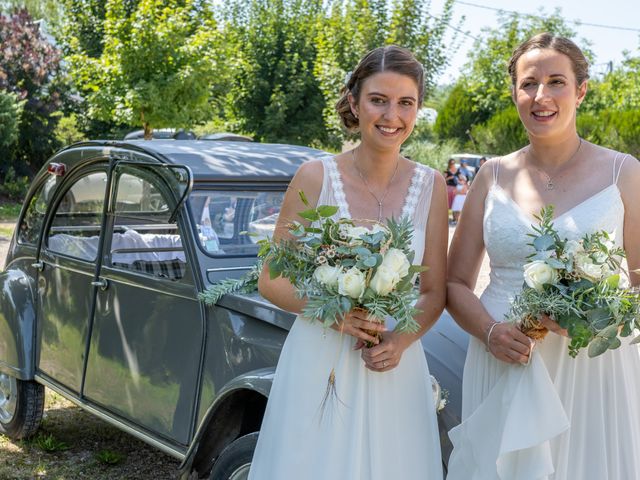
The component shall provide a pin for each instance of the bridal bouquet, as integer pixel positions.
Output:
(339, 266)
(576, 282)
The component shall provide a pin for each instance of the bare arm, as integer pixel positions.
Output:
(432, 298)
(629, 185)
(465, 259)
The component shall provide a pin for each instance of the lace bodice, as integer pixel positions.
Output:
(506, 227)
(416, 205)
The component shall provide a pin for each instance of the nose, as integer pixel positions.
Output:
(391, 112)
(541, 93)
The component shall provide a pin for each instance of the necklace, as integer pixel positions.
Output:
(550, 185)
(364, 180)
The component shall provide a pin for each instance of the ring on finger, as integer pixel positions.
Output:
(384, 364)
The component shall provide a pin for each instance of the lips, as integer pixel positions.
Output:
(388, 130)
(544, 114)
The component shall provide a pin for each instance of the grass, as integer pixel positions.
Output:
(6, 231)
(9, 211)
(94, 450)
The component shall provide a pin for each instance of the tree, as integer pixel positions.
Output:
(30, 68)
(156, 66)
(618, 90)
(457, 116)
(10, 113)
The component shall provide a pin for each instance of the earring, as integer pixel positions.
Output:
(356, 115)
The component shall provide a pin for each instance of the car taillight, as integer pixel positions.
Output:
(58, 169)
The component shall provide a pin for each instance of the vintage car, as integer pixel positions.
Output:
(99, 300)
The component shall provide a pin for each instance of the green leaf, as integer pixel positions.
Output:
(598, 346)
(613, 281)
(371, 261)
(303, 198)
(311, 215)
(599, 318)
(614, 343)
(544, 242)
(555, 263)
(325, 211)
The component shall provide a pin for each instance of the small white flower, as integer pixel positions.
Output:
(539, 273)
(351, 283)
(396, 260)
(327, 275)
(573, 247)
(384, 280)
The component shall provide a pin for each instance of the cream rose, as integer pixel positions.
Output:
(384, 280)
(539, 273)
(397, 261)
(327, 275)
(585, 265)
(351, 283)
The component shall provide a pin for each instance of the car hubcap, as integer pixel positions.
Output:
(8, 397)
(241, 473)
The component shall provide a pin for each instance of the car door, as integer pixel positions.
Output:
(146, 342)
(68, 253)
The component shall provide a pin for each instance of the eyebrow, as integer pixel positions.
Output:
(408, 97)
(553, 75)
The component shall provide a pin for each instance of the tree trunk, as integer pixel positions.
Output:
(148, 131)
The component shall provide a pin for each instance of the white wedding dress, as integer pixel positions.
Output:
(384, 425)
(558, 418)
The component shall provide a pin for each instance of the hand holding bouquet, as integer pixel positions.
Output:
(576, 283)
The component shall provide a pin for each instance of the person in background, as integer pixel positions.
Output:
(465, 170)
(460, 196)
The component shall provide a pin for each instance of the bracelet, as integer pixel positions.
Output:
(489, 332)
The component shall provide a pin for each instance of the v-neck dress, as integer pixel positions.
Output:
(559, 418)
(381, 426)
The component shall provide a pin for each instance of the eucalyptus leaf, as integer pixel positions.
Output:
(555, 263)
(371, 261)
(598, 346)
(544, 242)
(599, 318)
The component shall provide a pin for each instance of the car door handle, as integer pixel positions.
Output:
(102, 283)
(38, 266)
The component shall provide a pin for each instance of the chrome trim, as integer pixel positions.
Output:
(228, 269)
(113, 421)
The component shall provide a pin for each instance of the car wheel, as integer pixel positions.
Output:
(235, 460)
(21, 406)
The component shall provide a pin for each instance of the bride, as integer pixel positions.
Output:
(557, 418)
(383, 424)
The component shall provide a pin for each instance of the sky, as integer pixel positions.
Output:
(607, 44)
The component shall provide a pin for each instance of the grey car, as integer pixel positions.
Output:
(99, 299)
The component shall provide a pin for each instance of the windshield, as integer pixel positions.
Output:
(230, 223)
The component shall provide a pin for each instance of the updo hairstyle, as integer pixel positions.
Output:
(382, 59)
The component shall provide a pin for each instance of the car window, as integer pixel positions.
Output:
(29, 228)
(144, 238)
(230, 223)
(75, 229)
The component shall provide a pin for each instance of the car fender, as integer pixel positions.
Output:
(226, 418)
(17, 324)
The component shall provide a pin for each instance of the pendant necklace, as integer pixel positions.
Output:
(380, 200)
(550, 185)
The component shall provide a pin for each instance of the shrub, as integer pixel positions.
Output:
(434, 155)
(14, 187)
(501, 134)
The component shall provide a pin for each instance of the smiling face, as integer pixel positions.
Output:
(387, 109)
(546, 94)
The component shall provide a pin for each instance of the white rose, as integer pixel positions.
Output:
(351, 283)
(384, 280)
(396, 260)
(327, 275)
(538, 273)
(357, 232)
(573, 247)
(586, 266)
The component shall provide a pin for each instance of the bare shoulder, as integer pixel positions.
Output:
(309, 178)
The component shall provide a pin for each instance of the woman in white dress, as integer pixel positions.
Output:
(383, 426)
(557, 417)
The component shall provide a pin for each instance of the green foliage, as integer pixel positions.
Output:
(501, 134)
(618, 90)
(619, 130)
(49, 443)
(458, 115)
(156, 65)
(434, 155)
(67, 131)
(14, 187)
(109, 457)
(9, 211)
(10, 113)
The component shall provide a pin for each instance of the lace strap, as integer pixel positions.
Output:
(337, 187)
(616, 174)
(415, 188)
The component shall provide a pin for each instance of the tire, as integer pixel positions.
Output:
(21, 407)
(235, 460)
